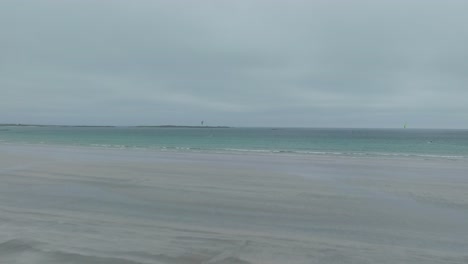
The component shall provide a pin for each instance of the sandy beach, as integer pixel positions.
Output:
(89, 205)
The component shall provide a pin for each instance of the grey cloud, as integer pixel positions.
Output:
(268, 63)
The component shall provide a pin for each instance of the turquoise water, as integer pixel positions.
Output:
(391, 142)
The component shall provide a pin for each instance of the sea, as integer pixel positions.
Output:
(443, 143)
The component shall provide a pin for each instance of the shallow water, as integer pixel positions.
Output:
(343, 142)
(84, 205)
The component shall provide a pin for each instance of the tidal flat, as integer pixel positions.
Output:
(63, 204)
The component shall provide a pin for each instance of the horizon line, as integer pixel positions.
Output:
(220, 126)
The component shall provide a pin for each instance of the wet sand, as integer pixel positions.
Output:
(88, 205)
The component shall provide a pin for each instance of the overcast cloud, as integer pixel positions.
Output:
(240, 63)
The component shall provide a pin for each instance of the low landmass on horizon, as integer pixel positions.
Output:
(162, 126)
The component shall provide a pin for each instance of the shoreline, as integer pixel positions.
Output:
(311, 154)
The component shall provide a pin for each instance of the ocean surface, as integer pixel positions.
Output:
(348, 142)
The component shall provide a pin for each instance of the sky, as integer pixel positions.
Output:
(275, 63)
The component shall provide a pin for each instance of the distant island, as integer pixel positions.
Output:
(174, 126)
(36, 125)
(155, 126)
